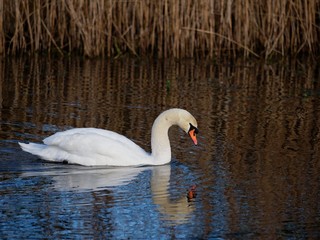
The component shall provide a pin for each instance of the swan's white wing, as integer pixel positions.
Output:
(90, 143)
(56, 138)
(89, 146)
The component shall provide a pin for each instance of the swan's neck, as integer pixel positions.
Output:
(160, 144)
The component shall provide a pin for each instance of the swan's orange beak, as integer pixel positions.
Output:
(192, 134)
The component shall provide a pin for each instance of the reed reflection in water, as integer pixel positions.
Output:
(256, 167)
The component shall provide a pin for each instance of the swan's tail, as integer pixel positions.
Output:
(45, 152)
(33, 148)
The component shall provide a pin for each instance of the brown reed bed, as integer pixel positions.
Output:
(169, 28)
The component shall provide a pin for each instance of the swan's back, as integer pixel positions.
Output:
(89, 147)
(61, 137)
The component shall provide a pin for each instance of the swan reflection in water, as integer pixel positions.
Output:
(178, 210)
(83, 179)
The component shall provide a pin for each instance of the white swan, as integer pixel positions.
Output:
(94, 147)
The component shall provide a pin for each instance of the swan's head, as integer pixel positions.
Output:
(188, 123)
(180, 117)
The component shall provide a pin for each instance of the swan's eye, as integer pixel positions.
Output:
(196, 131)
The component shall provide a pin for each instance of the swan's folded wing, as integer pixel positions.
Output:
(58, 137)
(90, 144)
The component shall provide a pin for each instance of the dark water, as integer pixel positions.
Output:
(256, 169)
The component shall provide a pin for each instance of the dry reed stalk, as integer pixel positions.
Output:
(170, 28)
(2, 37)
